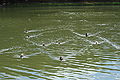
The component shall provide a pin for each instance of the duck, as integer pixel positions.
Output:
(86, 34)
(21, 55)
(27, 36)
(43, 44)
(96, 42)
(58, 42)
(61, 58)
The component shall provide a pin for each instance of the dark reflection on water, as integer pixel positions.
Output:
(43, 34)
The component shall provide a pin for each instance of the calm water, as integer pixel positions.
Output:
(26, 29)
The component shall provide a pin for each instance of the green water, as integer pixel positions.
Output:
(26, 29)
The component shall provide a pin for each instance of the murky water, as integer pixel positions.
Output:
(43, 34)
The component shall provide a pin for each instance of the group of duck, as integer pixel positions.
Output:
(60, 58)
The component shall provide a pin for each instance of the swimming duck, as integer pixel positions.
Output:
(96, 42)
(43, 44)
(61, 58)
(58, 42)
(86, 34)
(21, 56)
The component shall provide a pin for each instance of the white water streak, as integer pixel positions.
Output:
(106, 40)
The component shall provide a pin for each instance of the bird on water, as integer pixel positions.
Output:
(21, 55)
(43, 44)
(86, 34)
(96, 42)
(61, 58)
(58, 42)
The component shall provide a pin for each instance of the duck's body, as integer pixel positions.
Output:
(61, 58)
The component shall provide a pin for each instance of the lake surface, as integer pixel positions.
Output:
(45, 33)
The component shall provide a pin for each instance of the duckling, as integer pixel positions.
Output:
(86, 34)
(21, 56)
(61, 58)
